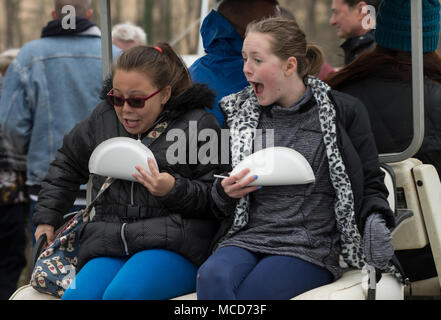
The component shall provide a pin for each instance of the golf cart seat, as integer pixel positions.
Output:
(353, 285)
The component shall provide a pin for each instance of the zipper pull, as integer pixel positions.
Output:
(139, 137)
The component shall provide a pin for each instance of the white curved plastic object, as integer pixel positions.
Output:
(277, 166)
(117, 158)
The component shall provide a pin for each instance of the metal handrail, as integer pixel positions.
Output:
(417, 87)
(106, 38)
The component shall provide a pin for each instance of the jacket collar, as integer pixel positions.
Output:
(198, 96)
(83, 26)
(354, 45)
(93, 31)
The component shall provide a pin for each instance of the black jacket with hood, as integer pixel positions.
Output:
(388, 100)
(128, 218)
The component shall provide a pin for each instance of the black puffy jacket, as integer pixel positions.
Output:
(389, 103)
(128, 218)
(359, 152)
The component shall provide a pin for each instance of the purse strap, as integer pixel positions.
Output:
(104, 187)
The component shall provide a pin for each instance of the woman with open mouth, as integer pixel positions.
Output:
(276, 242)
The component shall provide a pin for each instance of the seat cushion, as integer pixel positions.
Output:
(29, 293)
(353, 285)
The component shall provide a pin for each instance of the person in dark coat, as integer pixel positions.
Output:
(382, 80)
(354, 24)
(146, 239)
(276, 242)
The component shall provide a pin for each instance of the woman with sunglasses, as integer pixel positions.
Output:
(146, 239)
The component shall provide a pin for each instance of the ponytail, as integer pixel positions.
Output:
(179, 78)
(313, 60)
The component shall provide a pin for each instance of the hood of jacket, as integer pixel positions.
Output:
(219, 36)
(197, 96)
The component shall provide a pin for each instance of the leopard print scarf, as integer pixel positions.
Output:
(242, 112)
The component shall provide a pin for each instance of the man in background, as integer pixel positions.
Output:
(353, 25)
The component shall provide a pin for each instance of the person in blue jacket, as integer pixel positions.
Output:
(223, 33)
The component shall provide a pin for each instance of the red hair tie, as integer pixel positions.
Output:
(159, 49)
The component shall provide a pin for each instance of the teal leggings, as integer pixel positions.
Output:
(147, 275)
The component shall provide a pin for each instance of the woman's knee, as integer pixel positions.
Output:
(91, 282)
(222, 273)
(214, 281)
(211, 274)
(153, 275)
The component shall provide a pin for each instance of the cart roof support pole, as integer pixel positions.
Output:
(106, 38)
(417, 86)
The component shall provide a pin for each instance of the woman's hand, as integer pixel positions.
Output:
(158, 183)
(236, 188)
(377, 242)
(45, 229)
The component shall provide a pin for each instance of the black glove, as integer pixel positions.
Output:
(377, 242)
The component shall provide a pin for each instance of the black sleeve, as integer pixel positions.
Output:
(191, 197)
(224, 205)
(375, 193)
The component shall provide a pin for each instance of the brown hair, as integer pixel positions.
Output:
(288, 40)
(160, 63)
(388, 62)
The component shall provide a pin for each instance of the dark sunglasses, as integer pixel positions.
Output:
(134, 102)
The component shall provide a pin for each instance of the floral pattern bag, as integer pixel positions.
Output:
(55, 268)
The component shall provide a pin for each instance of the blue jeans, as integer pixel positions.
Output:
(235, 273)
(147, 275)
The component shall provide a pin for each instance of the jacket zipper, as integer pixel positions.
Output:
(123, 227)
(123, 238)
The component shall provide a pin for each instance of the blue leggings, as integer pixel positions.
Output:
(235, 273)
(147, 275)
